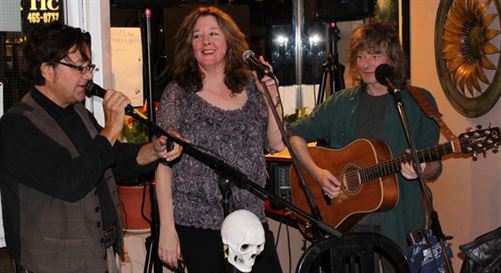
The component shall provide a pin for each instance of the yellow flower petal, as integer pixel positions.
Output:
(475, 8)
(485, 5)
(487, 19)
(486, 63)
(481, 75)
(489, 48)
(454, 64)
(490, 33)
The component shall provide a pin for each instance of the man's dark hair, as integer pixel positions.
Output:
(50, 43)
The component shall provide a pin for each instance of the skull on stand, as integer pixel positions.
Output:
(243, 233)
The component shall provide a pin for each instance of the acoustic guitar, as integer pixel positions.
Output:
(367, 173)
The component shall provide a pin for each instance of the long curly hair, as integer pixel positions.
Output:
(377, 36)
(186, 71)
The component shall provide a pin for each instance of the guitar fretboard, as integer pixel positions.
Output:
(393, 166)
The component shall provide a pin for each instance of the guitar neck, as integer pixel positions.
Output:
(393, 166)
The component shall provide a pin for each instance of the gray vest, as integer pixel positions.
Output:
(59, 236)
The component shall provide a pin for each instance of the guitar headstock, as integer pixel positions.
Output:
(479, 141)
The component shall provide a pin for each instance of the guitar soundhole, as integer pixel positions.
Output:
(351, 180)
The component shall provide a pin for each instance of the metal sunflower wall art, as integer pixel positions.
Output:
(467, 54)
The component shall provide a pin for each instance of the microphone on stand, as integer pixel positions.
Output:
(386, 76)
(250, 58)
(93, 89)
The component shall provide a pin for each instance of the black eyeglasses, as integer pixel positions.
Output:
(82, 68)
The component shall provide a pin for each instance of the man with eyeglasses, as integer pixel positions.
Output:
(57, 164)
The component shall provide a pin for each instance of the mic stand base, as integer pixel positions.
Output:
(152, 261)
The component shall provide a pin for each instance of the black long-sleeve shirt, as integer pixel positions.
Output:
(29, 157)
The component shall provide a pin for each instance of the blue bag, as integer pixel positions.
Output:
(426, 254)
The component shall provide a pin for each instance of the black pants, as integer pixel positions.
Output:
(202, 251)
(20, 269)
(6, 263)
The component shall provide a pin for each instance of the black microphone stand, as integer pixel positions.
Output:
(151, 260)
(395, 91)
(224, 185)
(295, 165)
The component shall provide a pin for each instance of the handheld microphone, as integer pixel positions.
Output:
(93, 89)
(386, 76)
(250, 58)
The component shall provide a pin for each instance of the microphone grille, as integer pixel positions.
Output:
(247, 54)
(92, 89)
(383, 73)
(89, 92)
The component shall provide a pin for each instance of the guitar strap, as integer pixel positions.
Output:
(430, 110)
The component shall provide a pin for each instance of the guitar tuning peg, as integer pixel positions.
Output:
(474, 156)
(489, 126)
(468, 129)
(479, 127)
(485, 154)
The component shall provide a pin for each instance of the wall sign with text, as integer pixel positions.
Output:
(36, 12)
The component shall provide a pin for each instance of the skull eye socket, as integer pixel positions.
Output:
(244, 247)
(260, 247)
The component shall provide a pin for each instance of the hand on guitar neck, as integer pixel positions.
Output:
(431, 169)
(408, 171)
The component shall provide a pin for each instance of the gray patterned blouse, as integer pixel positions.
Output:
(236, 136)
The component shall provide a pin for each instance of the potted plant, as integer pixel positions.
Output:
(134, 195)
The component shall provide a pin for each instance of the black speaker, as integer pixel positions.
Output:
(279, 180)
(343, 10)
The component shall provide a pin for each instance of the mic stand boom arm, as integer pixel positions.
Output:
(295, 164)
(231, 173)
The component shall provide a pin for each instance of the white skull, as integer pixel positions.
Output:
(243, 233)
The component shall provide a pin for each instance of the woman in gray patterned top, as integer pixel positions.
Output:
(216, 103)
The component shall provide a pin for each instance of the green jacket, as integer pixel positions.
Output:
(333, 121)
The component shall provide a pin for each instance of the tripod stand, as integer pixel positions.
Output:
(332, 70)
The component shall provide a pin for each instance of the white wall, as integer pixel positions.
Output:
(467, 195)
(94, 16)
